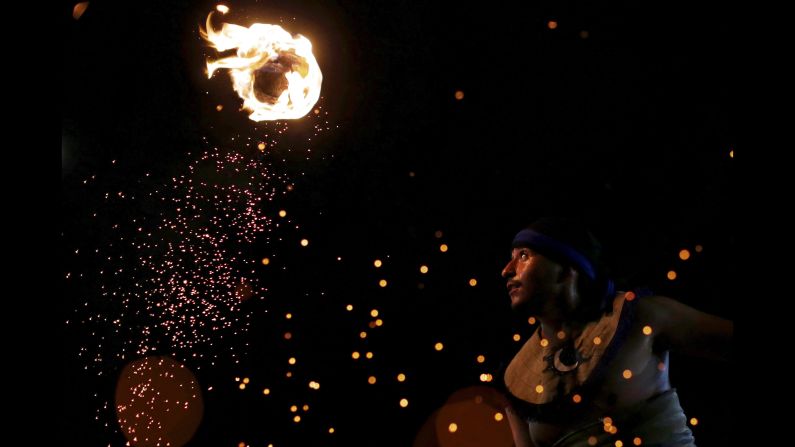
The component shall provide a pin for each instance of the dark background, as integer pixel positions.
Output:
(629, 128)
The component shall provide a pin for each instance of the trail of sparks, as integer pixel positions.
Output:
(202, 277)
(179, 276)
(181, 286)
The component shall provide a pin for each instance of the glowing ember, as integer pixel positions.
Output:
(79, 9)
(274, 73)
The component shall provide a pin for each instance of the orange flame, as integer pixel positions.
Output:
(274, 73)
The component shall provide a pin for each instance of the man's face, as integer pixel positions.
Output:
(533, 281)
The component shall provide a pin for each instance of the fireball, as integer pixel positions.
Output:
(274, 72)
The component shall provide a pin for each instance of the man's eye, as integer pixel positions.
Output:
(523, 255)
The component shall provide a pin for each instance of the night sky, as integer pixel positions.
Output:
(620, 115)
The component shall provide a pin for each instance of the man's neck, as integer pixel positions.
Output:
(558, 330)
(555, 331)
(564, 318)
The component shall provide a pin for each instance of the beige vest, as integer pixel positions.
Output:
(529, 376)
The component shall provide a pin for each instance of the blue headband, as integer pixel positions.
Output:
(556, 249)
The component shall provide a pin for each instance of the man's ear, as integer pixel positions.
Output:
(568, 282)
(568, 275)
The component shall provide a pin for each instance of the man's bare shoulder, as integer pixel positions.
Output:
(685, 328)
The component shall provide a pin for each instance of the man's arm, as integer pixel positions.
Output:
(519, 428)
(684, 329)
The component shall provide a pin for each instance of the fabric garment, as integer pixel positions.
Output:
(658, 422)
(539, 391)
(531, 375)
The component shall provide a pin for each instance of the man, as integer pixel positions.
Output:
(595, 372)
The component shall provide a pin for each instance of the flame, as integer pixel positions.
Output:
(274, 73)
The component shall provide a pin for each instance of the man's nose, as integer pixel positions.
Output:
(508, 271)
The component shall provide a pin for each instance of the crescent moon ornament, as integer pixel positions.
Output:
(566, 359)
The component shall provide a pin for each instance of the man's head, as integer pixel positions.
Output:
(557, 258)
